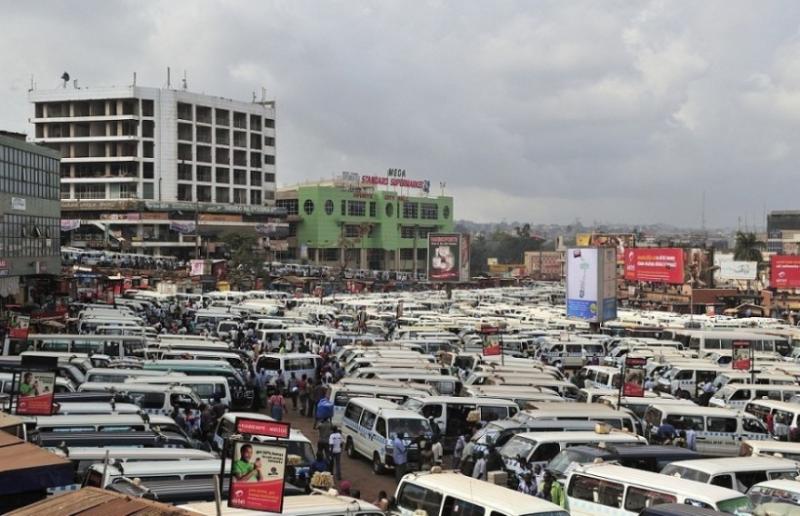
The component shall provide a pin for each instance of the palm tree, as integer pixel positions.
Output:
(748, 248)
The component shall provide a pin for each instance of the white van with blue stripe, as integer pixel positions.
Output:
(370, 424)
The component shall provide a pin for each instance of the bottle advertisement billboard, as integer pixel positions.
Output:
(591, 284)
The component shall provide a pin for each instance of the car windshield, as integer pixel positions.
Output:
(686, 473)
(565, 459)
(517, 447)
(412, 428)
(490, 431)
(302, 450)
(413, 405)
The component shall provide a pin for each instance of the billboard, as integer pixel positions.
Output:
(737, 270)
(275, 429)
(633, 386)
(741, 355)
(463, 274)
(444, 257)
(36, 393)
(784, 271)
(257, 476)
(654, 264)
(591, 284)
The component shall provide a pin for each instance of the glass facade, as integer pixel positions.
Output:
(28, 174)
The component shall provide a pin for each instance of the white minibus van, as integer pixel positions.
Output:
(448, 493)
(739, 473)
(619, 491)
(207, 388)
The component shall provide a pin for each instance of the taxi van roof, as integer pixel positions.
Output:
(650, 480)
(780, 405)
(147, 467)
(464, 400)
(773, 446)
(121, 452)
(735, 464)
(484, 493)
(582, 436)
(99, 419)
(696, 410)
(792, 486)
(310, 505)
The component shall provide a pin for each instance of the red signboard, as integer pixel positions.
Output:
(656, 264)
(741, 355)
(492, 347)
(36, 393)
(260, 427)
(257, 476)
(633, 386)
(784, 271)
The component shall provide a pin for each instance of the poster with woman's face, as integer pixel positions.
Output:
(36, 393)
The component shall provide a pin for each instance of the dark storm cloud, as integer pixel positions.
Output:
(542, 111)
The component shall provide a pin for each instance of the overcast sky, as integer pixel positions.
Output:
(540, 111)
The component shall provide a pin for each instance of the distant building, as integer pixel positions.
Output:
(29, 219)
(353, 223)
(136, 159)
(544, 265)
(783, 232)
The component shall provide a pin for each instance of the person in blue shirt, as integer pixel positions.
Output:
(399, 456)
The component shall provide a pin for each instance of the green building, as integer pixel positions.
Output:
(356, 225)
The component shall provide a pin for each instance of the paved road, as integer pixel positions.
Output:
(357, 471)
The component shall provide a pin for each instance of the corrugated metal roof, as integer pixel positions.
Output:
(91, 501)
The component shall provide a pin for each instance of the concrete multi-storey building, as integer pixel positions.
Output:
(29, 218)
(783, 232)
(351, 222)
(135, 159)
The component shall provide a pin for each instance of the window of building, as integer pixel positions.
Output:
(407, 231)
(410, 210)
(184, 192)
(329, 207)
(222, 175)
(330, 255)
(255, 197)
(204, 154)
(430, 211)
(147, 150)
(184, 111)
(424, 232)
(204, 173)
(406, 254)
(446, 212)
(240, 158)
(308, 207)
(255, 123)
(148, 129)
(352, 231)
(269, 141)
(269, 177)
(357, 208)
(422, 254)
(255, 160)
(269, 159)
(373, 209)
(389, 210)
(222, 117)
(343, 207)
(147, 191)
(223, 156)
(240, 196)
(290, 205)
(239, 120)
(147, 107)
(239, 177)
(255, 178)
(269, 122)
(223, 194)
(203, 193)
(222, 136)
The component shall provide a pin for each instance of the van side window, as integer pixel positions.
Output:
(381, 428)
(152, 400)
(753, 426)
(460, 507)
(750, 478)
(722, 481)
(493, 413)
(432, 411)
(416, 498)
(596, 491)
(545, 451)
(226, 428)
(722, 424)
(686, 422)
(353, 412)
(368, 419)
(638, 499)
(741, 394)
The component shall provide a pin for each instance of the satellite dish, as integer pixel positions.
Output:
(65, 77)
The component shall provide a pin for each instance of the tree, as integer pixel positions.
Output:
(748, 248)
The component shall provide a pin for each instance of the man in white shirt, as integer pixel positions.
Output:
(479, 470)
(438, 452)
(335, 443)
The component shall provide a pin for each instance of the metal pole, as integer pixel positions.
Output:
(218, 493)
(196, 229)
(105, 469)
(621, 383)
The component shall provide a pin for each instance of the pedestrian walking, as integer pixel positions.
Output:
(335, 442)
(399, 456)
(479, 470)
(276, 406)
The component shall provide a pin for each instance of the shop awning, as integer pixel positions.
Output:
(26, 467)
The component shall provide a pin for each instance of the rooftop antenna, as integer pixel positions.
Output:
(65, 79)
(263, 94)
(134, 78)
(254, 97)
(169, 82)
(33, 86)
(184, 79)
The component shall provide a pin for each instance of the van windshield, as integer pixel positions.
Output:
(739, 506)
(517, 448)
(412, 428)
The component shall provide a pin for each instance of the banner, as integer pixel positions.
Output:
(275, 429)
(19, 326)
(592, 283)
(70, 224)
(444, 256)
(492, 347)
(741, 358)
(736, 270)
(633, 385)
(656, 264)
(464, 274)
(197, 267)
(273, 229)
(257, 476)
(36, 393)
(784, 271)
(184, 227)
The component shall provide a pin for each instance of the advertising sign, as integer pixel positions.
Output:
(492, 346)
(736, 270)
(184, 227)
(741, 355)
(257, 476)
(784, 271)
(656, 264)
(19, 326)
(36, 393)
(633, 385)
(273, 229)
(591, 284)
(444, 257)
(197, 267)
(275, 429)
(464, 259)
(70, 224)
